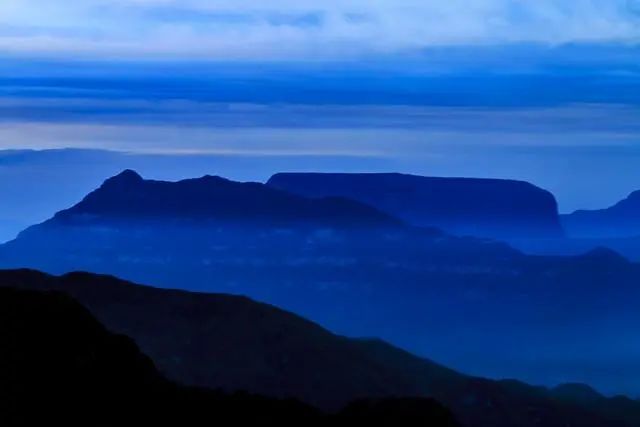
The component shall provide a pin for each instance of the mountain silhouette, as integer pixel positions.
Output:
(233, 343)
(479, 207)
(59, 365)
(212, 199)
(418, 288)
(616, 228)
(619, 221)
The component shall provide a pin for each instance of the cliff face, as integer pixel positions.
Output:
(465, 206)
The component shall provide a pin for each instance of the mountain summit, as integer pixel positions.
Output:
(124, 178)
(127, 197)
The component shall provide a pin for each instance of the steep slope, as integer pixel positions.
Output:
(218, 340)
(479, 207)
(58, 365)
(230, 342)
(619, 221)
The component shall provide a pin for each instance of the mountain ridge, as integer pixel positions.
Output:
(478, 207)
(90, 376)
(128, 308)
(412, 287)
(621, 220)
(212, 198)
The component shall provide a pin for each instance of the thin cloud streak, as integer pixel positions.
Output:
(594, 119)
(302, 29)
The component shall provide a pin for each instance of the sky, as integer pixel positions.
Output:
(303, 29)
(546, 91)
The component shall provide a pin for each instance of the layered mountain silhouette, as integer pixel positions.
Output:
(59, 365)
(616, 228)
(502, 209)
(220, 341)
(619, 221)
(418, 288)
(211, 199)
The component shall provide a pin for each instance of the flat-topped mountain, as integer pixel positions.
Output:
(129, 197)
(464, 206)
(621, 220)
(235, 343)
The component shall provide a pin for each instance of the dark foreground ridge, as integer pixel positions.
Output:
(60, 366)
(233, 343)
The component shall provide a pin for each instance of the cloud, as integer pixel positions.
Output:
(549, 147)
(620, 124)
(302, 29)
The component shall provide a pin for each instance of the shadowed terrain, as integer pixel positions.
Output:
(358, 272)
(58, 365)
(233, 343)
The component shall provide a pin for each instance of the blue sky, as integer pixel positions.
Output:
(547, 91)
(302, 29)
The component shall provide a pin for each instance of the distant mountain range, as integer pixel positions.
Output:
(233, 343)
(517, 212)
(619, 221)
(616, 228)
(357, 271)
(494, 208)
(210, 199)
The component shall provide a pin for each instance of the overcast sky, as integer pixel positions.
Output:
(303, 29)
(542, 90)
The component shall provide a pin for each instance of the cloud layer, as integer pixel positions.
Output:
(302, 29)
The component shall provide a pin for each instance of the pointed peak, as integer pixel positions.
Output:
(127, 176)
